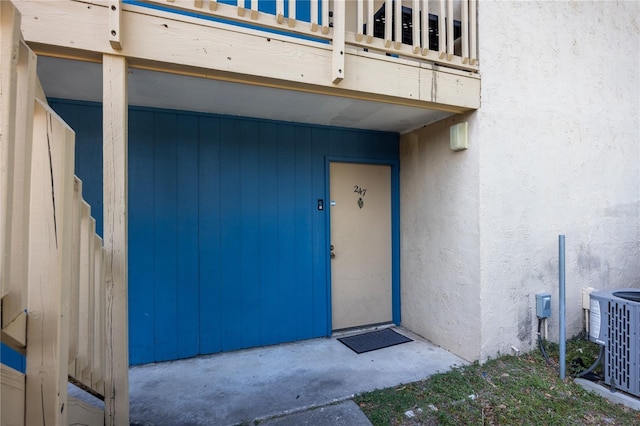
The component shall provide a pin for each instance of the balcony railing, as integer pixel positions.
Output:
(441, 32)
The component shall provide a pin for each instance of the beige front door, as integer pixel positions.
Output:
(360, 208)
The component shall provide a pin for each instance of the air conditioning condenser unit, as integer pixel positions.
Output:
(615, 324)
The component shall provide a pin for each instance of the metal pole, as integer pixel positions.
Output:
(562, 303)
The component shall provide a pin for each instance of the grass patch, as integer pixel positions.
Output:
(507, 390)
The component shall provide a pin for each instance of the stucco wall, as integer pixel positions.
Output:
(554, 149)
(559, 135)
(440, 244)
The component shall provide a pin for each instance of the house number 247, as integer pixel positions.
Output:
(359, 190)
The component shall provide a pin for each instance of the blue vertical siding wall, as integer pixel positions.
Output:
(227, 249)
(86, 121)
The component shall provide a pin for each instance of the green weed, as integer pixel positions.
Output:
(509, 390)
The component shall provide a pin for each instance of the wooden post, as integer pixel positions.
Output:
(442, 32)
(115, 24)
(465, 32)
(9, 52)
(280, 11)
(388, 21)
(114, 74)
(74, 293)
(449, 30)
(87, 229)
(425, 27)
(14, 303)
(337, 66)
(473, 46)
(26, 87)
(397, 24)
(254, 9)
(241, 8)
(415, 25)
(314, 15)
(370, 20)
(292, 14)
(49, 269)
(88, 307)
(97, 378)
(359, 20)
(325, 16)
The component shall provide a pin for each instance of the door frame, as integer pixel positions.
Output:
(395, 231)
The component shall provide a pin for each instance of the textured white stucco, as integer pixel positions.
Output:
(440, 245)
(554, 149)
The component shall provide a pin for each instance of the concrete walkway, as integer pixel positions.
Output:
(304, 383)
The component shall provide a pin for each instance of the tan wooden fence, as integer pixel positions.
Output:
(52, 280)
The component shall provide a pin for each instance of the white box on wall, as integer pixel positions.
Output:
(458, 136)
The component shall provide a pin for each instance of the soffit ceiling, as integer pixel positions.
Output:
(70, 79)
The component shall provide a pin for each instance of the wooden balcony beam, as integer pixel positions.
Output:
(230, 53)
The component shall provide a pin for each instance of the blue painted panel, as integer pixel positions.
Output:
(305, 207)
(286, 247)
(165, 232)
(320, 246)
(86, 121)
(142, 310)
(187, 233)
(395, 242)
(12, 358)
(335, 144)
(269, 233)
(227, 247)
(231, 226)
(249, 190)
(209, 248)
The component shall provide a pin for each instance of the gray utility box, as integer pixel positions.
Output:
(614, 323)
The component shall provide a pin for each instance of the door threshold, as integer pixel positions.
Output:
(361, 329)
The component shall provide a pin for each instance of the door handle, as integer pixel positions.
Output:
(331, 254)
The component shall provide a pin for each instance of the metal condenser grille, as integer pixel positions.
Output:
(621, 363)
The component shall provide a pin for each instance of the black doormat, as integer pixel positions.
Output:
(373, 340)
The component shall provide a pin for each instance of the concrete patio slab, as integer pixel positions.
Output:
(345, 413)
(281, 384)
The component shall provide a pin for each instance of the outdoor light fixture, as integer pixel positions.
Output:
(458, 136)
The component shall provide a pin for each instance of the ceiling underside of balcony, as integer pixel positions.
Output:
(71, 79)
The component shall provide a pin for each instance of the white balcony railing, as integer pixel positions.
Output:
(448, 37)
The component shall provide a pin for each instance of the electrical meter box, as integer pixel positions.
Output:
(543, 305)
